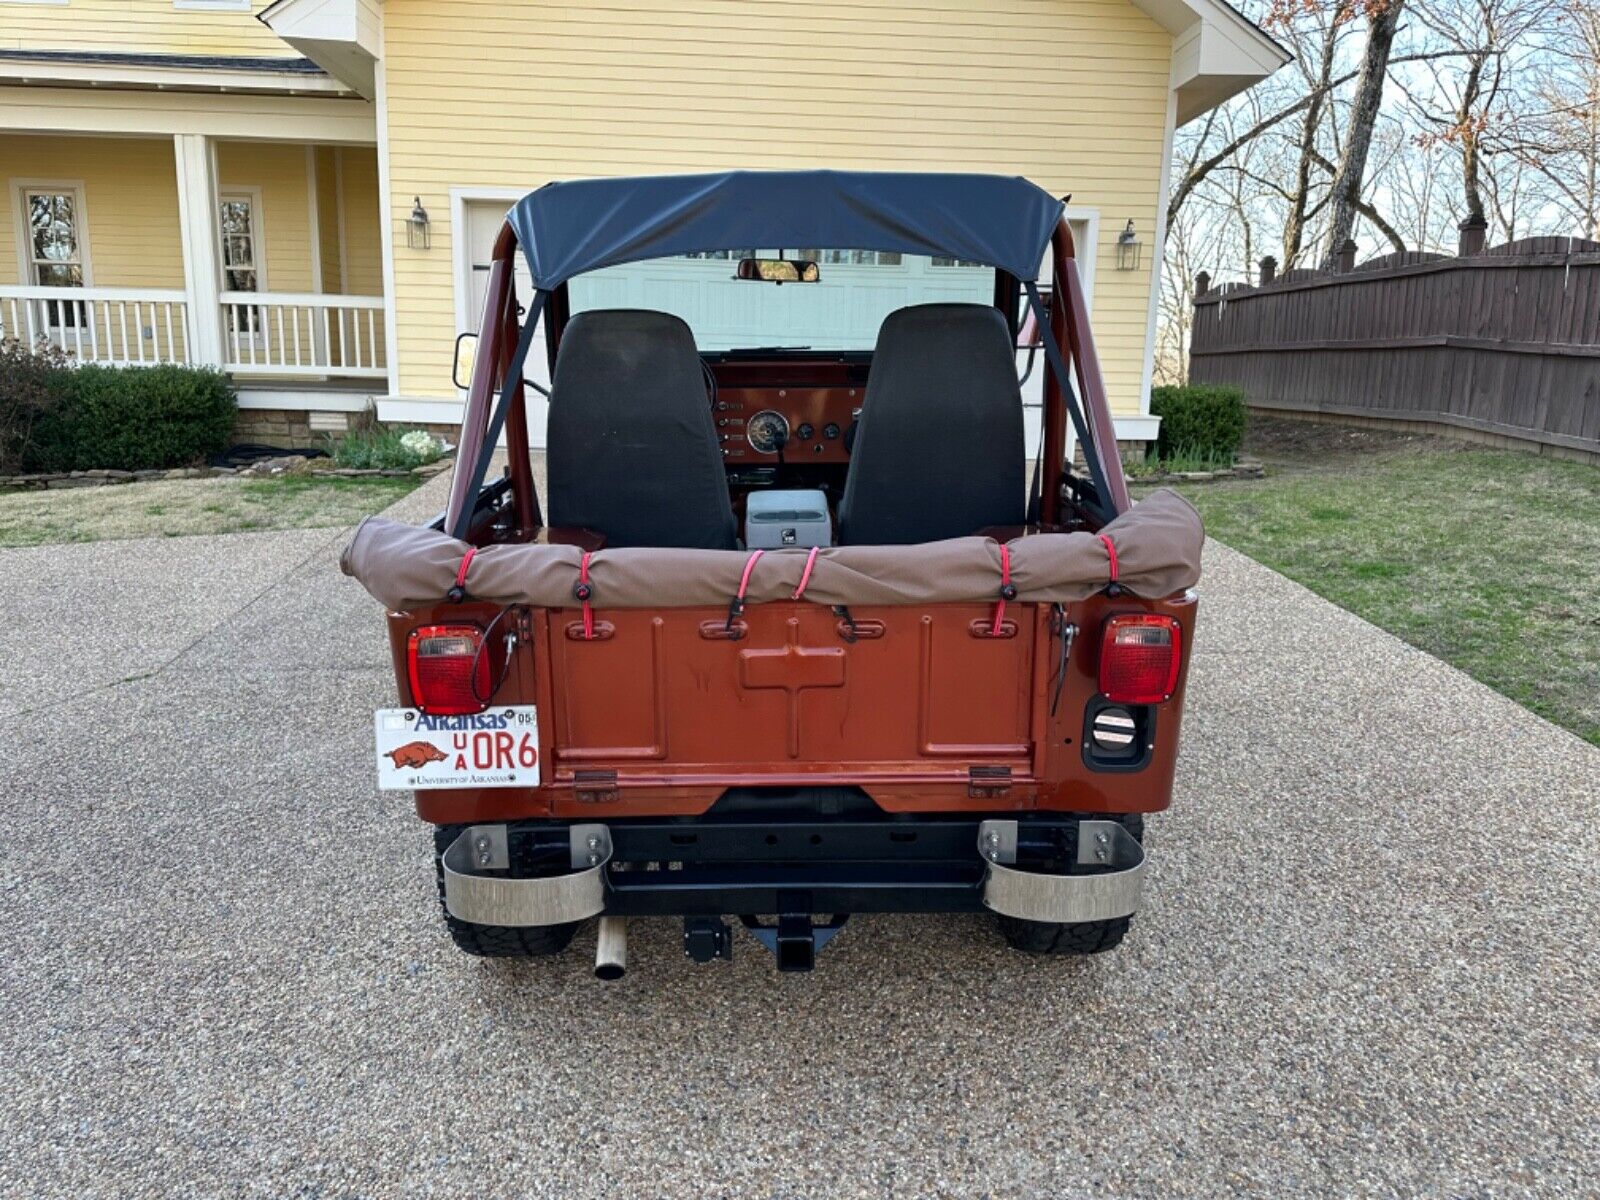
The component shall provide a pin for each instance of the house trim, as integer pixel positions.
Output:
(391, 320)
(180, 74)
(246, 117)
(1147, 372)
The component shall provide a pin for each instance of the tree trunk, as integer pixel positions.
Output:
(1363, 116)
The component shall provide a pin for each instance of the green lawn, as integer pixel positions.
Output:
(1488, 559)
(176, 508)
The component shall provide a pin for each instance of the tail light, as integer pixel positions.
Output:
(449, 673)
(1140, 654)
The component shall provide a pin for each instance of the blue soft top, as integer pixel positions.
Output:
(566, 229)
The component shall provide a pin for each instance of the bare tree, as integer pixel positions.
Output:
(1559, 140)
(1383, 19)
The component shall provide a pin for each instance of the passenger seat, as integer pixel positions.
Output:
(632, 451)
(939, 449)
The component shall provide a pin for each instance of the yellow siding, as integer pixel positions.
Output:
(130, 200)
(137, 26)
(279, 170)
(480, 93)
(363, 238)
(328, 217)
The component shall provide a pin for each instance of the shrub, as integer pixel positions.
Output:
(31, 382)
(1199, 421)
(387, 449)
(135, 418)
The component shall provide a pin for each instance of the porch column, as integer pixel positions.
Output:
(202, 246)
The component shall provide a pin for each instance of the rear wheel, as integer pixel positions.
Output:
(497, 941)
(1081, 937)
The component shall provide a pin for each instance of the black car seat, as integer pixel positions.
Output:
(632, 450)
(939, 449)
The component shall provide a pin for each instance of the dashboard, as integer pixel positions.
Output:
(811, 422)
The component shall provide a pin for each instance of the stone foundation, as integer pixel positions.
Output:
(299, 429)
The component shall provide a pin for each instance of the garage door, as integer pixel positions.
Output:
(841, 312)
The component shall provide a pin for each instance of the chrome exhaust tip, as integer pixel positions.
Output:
(611, 949)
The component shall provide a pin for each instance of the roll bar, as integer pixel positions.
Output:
(500, 333)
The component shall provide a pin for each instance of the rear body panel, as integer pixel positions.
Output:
(926, 711)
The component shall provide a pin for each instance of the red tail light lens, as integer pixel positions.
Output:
(445, 665)
(1140, 654)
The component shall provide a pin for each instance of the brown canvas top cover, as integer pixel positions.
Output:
(1152, 550)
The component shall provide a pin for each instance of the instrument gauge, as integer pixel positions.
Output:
(767, 431)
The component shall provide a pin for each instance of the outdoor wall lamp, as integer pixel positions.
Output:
(417, 226)
(1128, 248)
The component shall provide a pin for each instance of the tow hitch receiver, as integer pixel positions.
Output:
(794, 940)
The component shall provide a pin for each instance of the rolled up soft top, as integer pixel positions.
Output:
(1152, 551)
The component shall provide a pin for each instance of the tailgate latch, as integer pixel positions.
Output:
(986, 782)
(594, 787)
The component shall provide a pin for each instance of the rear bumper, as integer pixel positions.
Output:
(1040, 868)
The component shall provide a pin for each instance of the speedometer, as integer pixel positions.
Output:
(767, 431)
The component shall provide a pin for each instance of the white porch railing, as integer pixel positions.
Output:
(274, 333)
(122, 326)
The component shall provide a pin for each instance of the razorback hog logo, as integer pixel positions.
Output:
(417, 754)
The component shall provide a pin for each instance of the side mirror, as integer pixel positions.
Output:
(778, 270)
(466, 353)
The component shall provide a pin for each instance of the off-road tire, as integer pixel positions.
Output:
(1082, 937)
(495, 941)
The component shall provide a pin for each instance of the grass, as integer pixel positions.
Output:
(1487, 559)
(177, 508)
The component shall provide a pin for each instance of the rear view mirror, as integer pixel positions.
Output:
(466, 352)
(778, 270)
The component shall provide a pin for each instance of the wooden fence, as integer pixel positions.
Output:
(1503, 341)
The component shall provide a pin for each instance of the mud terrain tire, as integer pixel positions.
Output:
(1083, 937)
(495, 941)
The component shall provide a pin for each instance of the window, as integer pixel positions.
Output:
(725, 255)
(55, 244)
(241, 261)
(940, 260)
(842, 311)
(858, 258)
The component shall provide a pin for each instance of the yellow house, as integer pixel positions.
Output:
(305, 194)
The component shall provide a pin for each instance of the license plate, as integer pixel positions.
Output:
(496, 748)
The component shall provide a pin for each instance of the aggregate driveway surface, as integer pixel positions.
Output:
(1367, 963)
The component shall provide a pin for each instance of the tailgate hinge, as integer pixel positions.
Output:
(984, 782)
(594, 787)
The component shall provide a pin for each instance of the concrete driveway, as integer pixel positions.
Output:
(1367, 966)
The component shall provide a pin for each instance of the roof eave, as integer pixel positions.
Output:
(1216, 52)
(343, 37)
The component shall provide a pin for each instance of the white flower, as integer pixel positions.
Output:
(420, 443)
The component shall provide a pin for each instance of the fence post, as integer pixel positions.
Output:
(1269, 269)
(1202, 284)
(1473, 230)
(1347, 256)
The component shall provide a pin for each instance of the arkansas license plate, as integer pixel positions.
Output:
(495, 748)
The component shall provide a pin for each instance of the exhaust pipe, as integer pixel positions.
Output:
(611, 949)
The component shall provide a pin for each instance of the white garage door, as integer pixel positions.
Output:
(841, 312)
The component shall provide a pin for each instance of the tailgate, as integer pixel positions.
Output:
(902, 692)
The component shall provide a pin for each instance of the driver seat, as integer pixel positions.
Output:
(939, 449)
(632, 450)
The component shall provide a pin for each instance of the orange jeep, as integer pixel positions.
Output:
(794, 632)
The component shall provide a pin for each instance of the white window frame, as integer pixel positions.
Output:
(55, 3)
(19, 222)
(258, 239)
